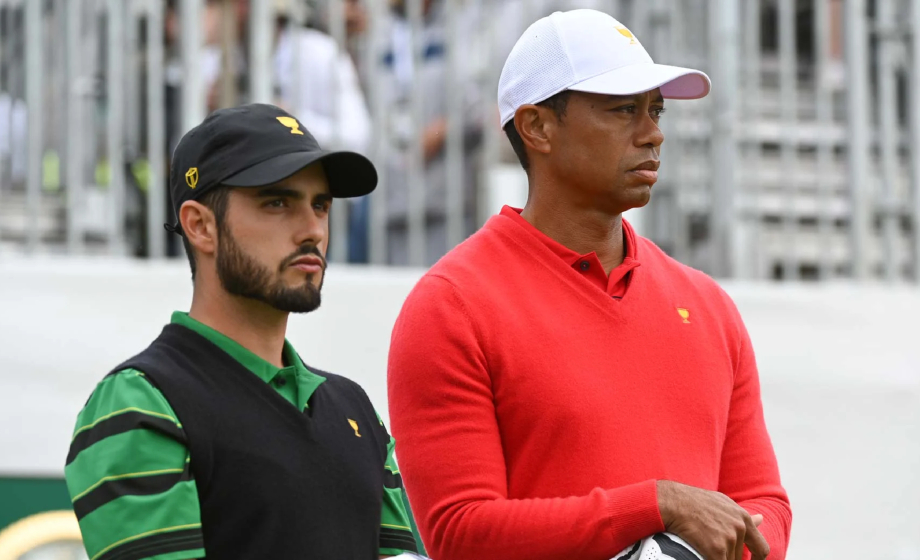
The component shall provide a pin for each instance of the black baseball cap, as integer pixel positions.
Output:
(256, 145)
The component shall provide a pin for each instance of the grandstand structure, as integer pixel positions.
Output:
(801, 164)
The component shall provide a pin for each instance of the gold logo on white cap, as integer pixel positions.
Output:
(627, 33)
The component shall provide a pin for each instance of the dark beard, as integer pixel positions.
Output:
(242, 276)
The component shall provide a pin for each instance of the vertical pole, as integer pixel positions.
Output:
(337, 30)
(752, 167)
(672, 218)
(35, 105)
(824, 114)
(915, 134)
(724, 39)
(132, 80)
(417, 205)
(261, 36)
(339, 218)
(228, 48)
(650, 220)
(91, 43)
(115, 100)
(456, 85)
(193, 99)
(74, 125)
(858, 131)
(492, 133)
(156, 131)
(788, 116)
(8, 36)
(4, 16)
(888, 135)
(380, 154)
(292, 28)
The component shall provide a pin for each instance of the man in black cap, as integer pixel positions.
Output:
(217, 441)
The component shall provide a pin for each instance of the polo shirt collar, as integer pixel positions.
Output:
(307, 381)
(570, 257)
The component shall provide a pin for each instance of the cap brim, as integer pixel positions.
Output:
(675, 82)
(349, 174)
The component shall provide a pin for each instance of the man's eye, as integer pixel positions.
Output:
(626, 109)
(658, 112)
(321, 206)
(277, 203)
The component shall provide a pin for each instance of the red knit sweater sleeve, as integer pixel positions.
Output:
(749, 473)
(450, 452)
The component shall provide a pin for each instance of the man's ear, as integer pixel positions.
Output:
(535, 125)
(199, 226)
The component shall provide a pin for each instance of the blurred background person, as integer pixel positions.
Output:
(314, 79)
(13, 130)
(307, 65)
(356, 19)
(396, 83)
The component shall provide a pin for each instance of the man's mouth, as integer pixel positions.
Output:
(309, 264)
(647, 170)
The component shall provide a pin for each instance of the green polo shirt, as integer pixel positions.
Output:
(134, 450)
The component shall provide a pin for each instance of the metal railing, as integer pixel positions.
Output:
(79, 83)
(802, 163)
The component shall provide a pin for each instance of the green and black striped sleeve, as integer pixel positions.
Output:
(398, 532)
(128, 475)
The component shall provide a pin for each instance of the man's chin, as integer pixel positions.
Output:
(634, 196)
(299, 303)
(643, 200)
(303, 310)
(639, 195)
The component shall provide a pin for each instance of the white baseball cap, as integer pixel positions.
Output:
(590, 51)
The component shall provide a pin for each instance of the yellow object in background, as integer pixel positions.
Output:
(103, 173)
(51, 171)
(41, 529)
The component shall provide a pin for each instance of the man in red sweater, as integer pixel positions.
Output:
(559, 387)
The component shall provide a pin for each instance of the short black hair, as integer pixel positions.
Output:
(216, 201)
(557, 104)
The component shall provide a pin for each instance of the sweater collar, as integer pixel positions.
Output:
(572, 258)
(261, 368)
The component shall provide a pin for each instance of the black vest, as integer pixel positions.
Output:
(273, 482)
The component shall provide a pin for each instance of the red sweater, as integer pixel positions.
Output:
(534, 412)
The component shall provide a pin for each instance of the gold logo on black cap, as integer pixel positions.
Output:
(191, 177)
(291, 123)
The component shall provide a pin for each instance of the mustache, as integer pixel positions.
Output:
(300, 252)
